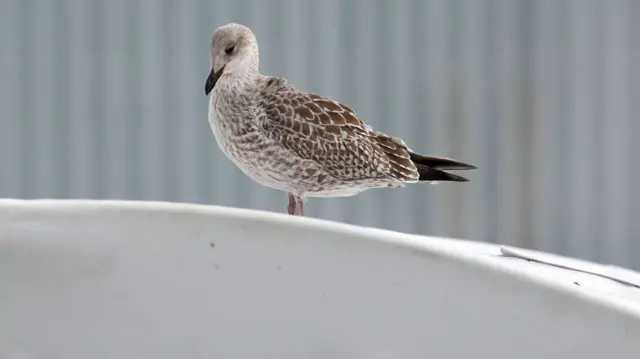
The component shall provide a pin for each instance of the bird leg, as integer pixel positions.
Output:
(296, 206)
(291, 209)
(299, 207)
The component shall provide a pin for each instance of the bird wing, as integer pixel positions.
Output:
(328, 132)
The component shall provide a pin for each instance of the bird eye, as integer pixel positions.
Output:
(229, 50)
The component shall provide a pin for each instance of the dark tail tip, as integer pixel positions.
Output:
(429, 174)
(440, 163)
(431, 168)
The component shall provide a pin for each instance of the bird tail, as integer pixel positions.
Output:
(432, 168)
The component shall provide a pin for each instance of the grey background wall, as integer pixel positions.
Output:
(105, 99)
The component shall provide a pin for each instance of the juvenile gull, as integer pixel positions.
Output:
(298, 142)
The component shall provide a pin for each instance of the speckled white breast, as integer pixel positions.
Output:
(254, 154)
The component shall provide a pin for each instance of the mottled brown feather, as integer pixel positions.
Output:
(331, 134)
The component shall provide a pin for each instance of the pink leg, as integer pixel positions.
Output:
(296, 205)
(300, 208)
(291, 209)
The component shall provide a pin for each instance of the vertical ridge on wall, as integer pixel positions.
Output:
(60, 117)
(82, 173)
(459, 139)
(438, 101)
(10, 130)
(40, 42)
(189, 100)
(97, 82)
(582, 78)
(28, 186)
(545, 114)
(633, 212)
(169, 95)
(115, 98)
(152, 64)
(527, 120)
(418, 133)
(473, 51)
(507, 67)
(615, 123)
(104, 99)
(562, 184)
(492, 158)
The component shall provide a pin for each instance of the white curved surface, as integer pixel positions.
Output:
(96, 279)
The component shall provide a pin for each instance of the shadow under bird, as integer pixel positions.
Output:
(299, 142)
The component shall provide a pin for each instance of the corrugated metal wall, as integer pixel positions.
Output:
(104, 99)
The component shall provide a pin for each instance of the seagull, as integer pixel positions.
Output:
(302, 143)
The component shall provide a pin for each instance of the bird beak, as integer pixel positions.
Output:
(212, 79)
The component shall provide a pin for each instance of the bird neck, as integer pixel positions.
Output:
(238, 79)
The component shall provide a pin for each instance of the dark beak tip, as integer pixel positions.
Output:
(211, 80)
(208, 86)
